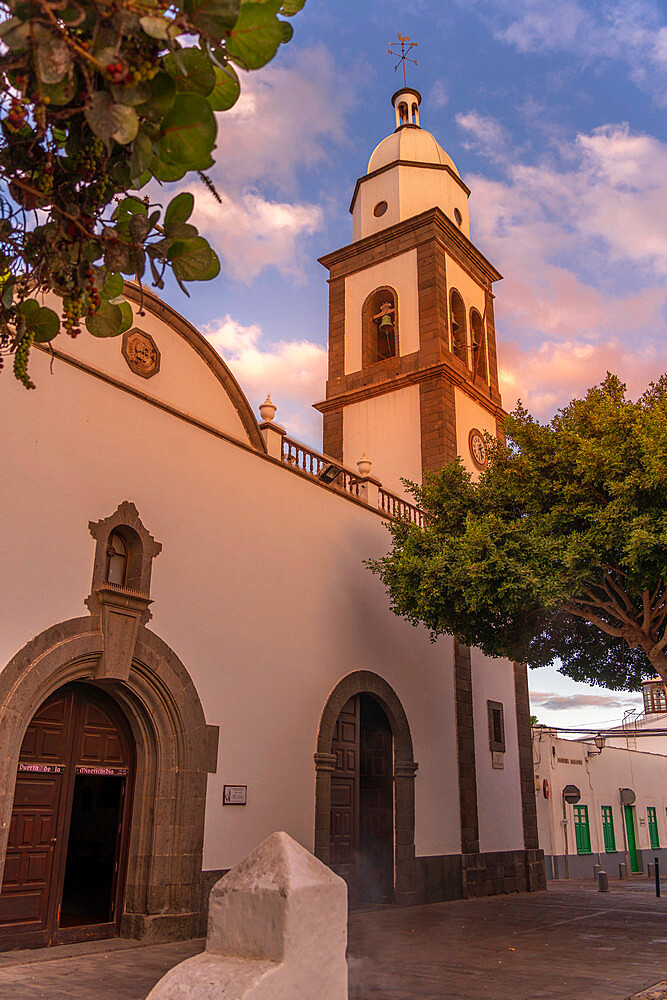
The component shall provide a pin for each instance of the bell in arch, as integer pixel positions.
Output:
(386, 323)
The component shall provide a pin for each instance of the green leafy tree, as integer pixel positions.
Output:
(100, 97)
(558, 550)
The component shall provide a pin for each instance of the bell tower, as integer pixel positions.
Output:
(413, 376)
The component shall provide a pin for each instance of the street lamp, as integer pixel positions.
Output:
(600, 742)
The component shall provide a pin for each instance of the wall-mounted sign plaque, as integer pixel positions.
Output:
(104, 772)
(41, 768)
(141, 353)
(235, 795)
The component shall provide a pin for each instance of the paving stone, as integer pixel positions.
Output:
(570, 943)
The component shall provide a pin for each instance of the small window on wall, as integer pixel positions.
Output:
(478, 336)
(496, 727)
(380, 326)
(458, 321)
(116, 561)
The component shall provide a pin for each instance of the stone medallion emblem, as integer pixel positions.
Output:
(141, 353)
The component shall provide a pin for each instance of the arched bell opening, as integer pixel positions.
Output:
(365, 773)
(459, 333)
(380, 326)
(478, 337)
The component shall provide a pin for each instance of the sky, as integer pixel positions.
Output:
(555, 114)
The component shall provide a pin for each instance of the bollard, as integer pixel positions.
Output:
(622, 870)
(657, 876)
(650, 870)
(603, 882)
(596, 871)
(277, 930)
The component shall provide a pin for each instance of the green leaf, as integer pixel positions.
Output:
(112, 287)
(155, 27)
(257, 34)
(255, 37)
(192, 72)
(53, 59)
(213, 17)
(136, 94)
(107, 321)
(127, 316)
(193, 260)
(226, 90)
(142, 154)
(179, 208)
(44, 324)
(62, 92)
(188, 132)
(180, 231)
(112, 121)
(167, 172)
(292, 7)
(288, 31)
(163, 92)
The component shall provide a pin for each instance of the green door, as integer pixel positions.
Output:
(608, 830)
(652, 817)
(582, 832)
(632, 843)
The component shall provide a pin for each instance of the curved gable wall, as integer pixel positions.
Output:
(192, 378)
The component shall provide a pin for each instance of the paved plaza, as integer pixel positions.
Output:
(570, 943)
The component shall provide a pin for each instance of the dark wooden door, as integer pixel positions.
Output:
(69, 827)
(344, 836)
(362, 811)
(376, 805)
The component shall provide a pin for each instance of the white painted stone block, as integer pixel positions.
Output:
(277, 930)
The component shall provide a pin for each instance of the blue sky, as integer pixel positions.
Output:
(555, 114)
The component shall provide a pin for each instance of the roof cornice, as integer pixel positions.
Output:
(447, 232)
(407, 163)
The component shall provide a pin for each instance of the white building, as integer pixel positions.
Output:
(620, 815)
(193, 653)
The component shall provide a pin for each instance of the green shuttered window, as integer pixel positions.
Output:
(582, 833)
(608, 829)
(652, 817)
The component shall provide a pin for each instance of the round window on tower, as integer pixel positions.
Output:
(380, 209)
(458, 217)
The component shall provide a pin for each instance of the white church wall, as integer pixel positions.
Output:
(401, 273)
(372, 191)
(421, 188)
(184, 380)
(369, 428)
(499, 806)
(259, 589)
(470, 414)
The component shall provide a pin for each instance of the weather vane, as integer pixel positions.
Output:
(406, 46)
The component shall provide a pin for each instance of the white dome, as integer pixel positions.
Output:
(409, 143)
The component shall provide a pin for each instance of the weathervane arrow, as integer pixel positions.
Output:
(406, 46)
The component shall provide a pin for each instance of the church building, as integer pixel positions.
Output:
(193, 653)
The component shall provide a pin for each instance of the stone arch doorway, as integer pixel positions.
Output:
(364, 729)
(174, 750)
(64, 875)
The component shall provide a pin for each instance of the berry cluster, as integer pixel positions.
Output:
(21, 360)
(93, 294)
(73, 309)
(15, 119)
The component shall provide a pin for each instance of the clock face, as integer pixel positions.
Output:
(478, 448)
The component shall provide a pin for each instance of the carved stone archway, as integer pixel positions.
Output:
(405, 768)
(175, 751)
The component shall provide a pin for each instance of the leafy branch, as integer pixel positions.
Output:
(99, 98)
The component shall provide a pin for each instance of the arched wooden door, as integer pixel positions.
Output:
(362, 801)
(63, 876)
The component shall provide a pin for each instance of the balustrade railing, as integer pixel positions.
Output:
(318, 466)
(314, 464)
(396, 507)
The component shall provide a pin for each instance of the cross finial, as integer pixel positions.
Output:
(406, 46)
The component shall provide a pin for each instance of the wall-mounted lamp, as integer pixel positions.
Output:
(600, 743)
